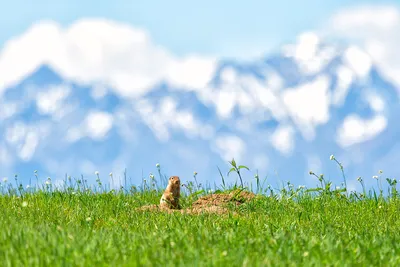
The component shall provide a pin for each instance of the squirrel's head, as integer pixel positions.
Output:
(174, 180)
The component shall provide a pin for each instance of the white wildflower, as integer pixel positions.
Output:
(375, 177)
(332, 157)
(24, 204)
(158, 165)
(96, 172)
(5, 179)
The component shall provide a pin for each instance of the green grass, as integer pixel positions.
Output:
(293, 227)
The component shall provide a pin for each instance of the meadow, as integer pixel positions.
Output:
(81, 225)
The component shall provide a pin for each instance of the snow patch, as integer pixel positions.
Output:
(308, 104)
(51, 100)
(344, 80)
(359, 61)
(167, 116)
(283, 139)
(356, 130)
(98, 124)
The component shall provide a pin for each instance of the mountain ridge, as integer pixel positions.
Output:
(208, 125)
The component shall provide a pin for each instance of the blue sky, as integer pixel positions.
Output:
(220, 28)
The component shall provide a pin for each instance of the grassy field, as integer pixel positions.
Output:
(76, 226)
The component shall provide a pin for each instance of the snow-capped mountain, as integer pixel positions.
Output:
(282, 115)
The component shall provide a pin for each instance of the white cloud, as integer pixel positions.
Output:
(307, 46)
(193, 71)
(98, 124)
(308, 52)
(357, 130)
(309, 104)
(283, 139)
(229, 146)
(100, 51)
(377, 29)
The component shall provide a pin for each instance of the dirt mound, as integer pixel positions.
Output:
(214, 203)
(217, 203)
(237, 197)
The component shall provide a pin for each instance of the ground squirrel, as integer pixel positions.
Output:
(170, 197)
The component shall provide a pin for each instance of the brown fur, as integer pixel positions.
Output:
(170, 197)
